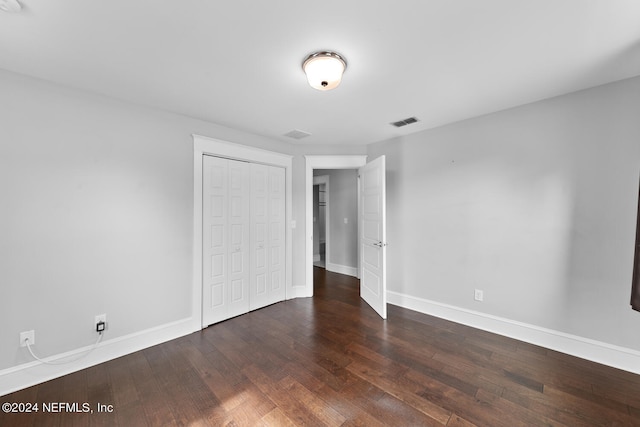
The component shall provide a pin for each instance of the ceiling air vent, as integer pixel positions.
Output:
(297, 134)
(404, 122)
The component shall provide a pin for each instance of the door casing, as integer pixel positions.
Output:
(320, 162)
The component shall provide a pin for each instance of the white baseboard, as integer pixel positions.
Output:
(342, 269)
(32, 373)
(607, 354)
(298, 292)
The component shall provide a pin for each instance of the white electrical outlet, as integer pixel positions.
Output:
(478, 295)
(31, 335)
(100, 318)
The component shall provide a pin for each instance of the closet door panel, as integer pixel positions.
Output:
(277, 234)
(238, 248)
(259, 246)
(244, 241)
(214, 239)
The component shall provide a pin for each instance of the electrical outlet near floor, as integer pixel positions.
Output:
(478, 295)
(100, 318)
(31, 335)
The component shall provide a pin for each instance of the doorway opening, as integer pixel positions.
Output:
(330, 163)
(335, 228)
(371, 224)
(320, 220)
(320, 226)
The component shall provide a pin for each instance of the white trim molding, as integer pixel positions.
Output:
(320, 162)
(32, 373)
(342, 269)
(203, 145)
(596, 351)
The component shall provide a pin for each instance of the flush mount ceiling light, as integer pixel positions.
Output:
(324, 69)
(10, 6)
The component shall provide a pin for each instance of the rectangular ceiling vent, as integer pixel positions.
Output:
(297, 134)
(405, 122)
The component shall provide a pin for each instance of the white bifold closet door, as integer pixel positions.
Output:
(267, 236)
(243, 237)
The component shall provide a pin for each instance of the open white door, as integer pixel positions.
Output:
(373, 246)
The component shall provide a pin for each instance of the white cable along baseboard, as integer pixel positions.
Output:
(32, 373)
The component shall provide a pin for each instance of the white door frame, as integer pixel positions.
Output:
(321, 162)
(203, 145)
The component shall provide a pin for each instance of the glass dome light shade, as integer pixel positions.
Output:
(324, 70)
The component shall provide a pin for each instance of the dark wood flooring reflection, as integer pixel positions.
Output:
(330, 360)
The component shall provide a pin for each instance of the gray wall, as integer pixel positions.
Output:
(97, 214)
(343, 203)
(96, 217)
(535, 205)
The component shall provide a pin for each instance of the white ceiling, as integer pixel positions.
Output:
(238, 63)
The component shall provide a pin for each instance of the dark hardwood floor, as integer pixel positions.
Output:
(330, 360)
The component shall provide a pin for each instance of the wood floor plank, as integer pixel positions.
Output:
(339, 401)
(587, 411)
(395, 384)
(318, 406)
(154, 404)
(288, 403)
(457, 421)
(331, 360)
(517, 414)
(471, 408)
(276, 418)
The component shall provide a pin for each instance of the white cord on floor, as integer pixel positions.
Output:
(62, 362)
